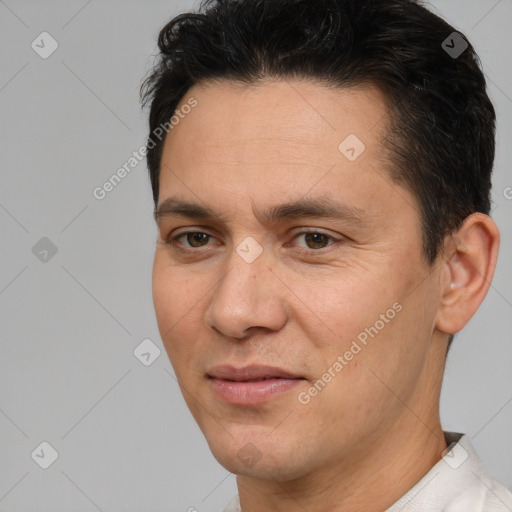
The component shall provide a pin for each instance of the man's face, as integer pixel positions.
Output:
(248, 289)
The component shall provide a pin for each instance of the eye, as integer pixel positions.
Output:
(314, 239)
(193, 239)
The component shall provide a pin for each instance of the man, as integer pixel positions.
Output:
(322, 198)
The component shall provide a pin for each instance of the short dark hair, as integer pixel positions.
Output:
(441, 130)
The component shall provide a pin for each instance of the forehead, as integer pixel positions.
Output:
(278, 140)
(277, 115)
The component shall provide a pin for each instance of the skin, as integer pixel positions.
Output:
(374, 430)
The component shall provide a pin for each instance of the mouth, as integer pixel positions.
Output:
(251, 384)
(250, 373)
(252, 380)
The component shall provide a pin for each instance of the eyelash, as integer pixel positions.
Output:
(173, 241)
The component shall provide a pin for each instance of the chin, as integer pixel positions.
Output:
(257, 457)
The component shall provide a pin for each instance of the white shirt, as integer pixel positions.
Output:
(457, 483)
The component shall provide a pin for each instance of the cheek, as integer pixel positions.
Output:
(370, 321)
(346, 307)
(384, 337)
(177, 302)
(164, 291)
(175, 292)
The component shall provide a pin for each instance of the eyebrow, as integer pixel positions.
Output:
(303, 208)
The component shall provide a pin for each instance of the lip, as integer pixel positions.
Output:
(252, 372)
(238, 386)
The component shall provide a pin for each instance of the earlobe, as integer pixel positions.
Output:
(469, 261)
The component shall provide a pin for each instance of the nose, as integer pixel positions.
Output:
(248, 297)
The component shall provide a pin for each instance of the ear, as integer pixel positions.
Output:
(467, 267)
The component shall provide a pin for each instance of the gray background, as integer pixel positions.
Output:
(68, 375)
